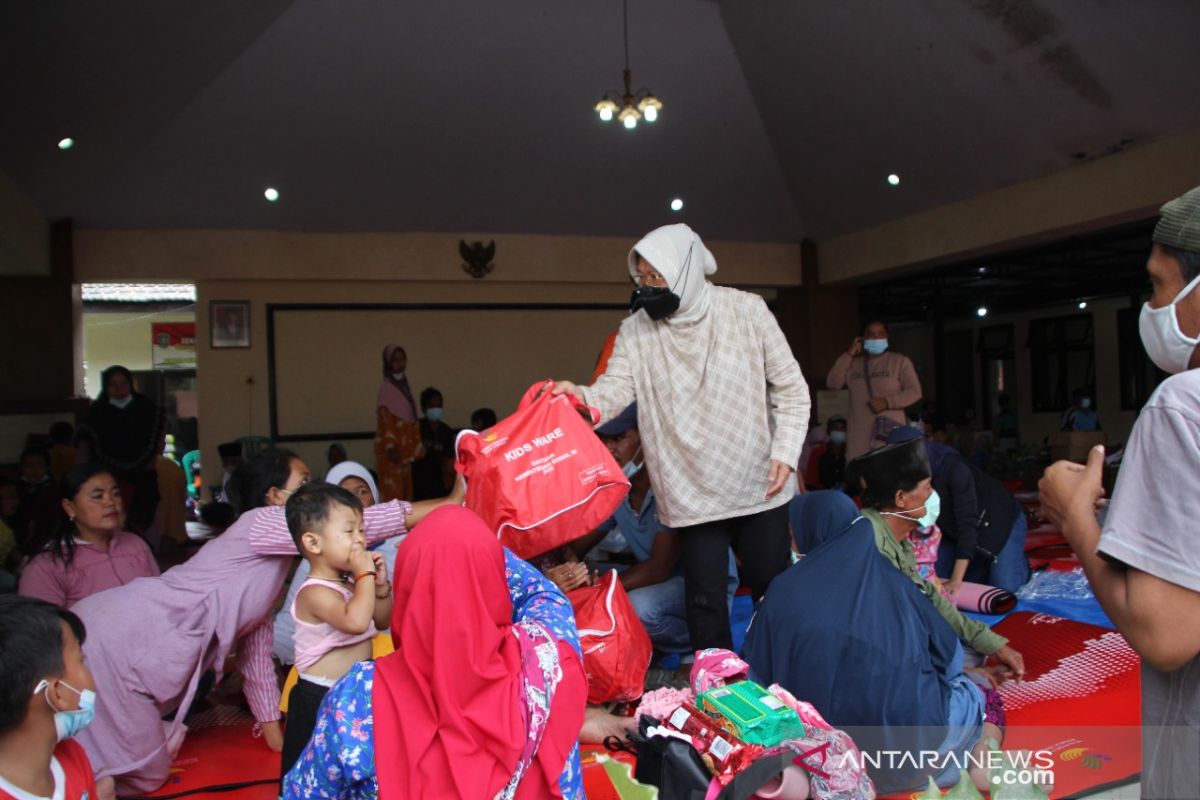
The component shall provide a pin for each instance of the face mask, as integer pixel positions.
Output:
(633, 467)
(932, 507)
(875, 347)
(657, 301)
(434, 414)
(1165, 343)
(124, 401)
(398, 376)
(69, 723)
(837, 437)
(1085, 402)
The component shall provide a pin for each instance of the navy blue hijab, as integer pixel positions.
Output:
(851, 634)
(815, 516)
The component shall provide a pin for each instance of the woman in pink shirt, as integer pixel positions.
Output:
(150, 641)
(89, 552)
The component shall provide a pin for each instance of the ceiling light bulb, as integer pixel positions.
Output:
(677, 204)
(1082, 305)
(629, 117)
(893, 179)
(650, 106)
(606, 108)
(981, 311)
(66, 144)
(272, 194)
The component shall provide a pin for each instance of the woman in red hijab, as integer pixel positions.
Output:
(484, 696)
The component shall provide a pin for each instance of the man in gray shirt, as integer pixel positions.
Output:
(1145, 565)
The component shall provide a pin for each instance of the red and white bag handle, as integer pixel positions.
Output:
(537, 390)
(611, 577)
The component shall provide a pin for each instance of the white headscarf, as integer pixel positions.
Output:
(679, 256)
(352, 469)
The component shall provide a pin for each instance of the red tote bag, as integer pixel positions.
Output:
(616, 647)
(541, 477)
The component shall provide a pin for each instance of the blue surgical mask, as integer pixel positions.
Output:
(435, 414)
(633, 466)
(932, 508)
(1085, 402)
(837, 437)
(875, 347)
(69, 723)
(124, 401)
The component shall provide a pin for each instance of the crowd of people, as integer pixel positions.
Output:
(429, 660)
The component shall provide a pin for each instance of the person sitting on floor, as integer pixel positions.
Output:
(90, 551)
(47, 697)
(846, 631)
(826, 467)
(337, 608)
(39, 509)
(983, 525)
(152, 640)
(484, 696)
(655, 581)
(898, 496)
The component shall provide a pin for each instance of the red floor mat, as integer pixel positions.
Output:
(1081, 700)
(220, 750)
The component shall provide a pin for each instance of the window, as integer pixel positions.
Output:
(997, 358)
(1139, 376)
(1061, 359)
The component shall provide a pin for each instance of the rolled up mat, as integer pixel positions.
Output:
(984, 599)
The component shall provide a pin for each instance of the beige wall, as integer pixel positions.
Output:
(24, 234)
(1119, 188)
(121, 339)
(233, 383)
(187, 255)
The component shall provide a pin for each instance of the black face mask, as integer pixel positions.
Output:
(659, 302)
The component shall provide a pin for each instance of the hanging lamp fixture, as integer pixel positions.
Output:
(634, 106)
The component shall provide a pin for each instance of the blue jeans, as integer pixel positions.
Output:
(662, 608)
(1009, 571)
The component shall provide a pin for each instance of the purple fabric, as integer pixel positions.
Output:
(993, 708)
(149, 642)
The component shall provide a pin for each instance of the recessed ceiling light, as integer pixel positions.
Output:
(66, 144)
(272, 194)
(677, 204)
(983, 270)
(893, 179)
(981, 311)
(1082, 305)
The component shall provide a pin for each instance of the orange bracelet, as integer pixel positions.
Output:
(362, 575)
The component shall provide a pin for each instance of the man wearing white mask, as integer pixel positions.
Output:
(722, 412)
(1144, 565)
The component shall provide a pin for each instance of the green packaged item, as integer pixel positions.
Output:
(753, 714)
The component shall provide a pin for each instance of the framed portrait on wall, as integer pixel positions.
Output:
(229, 323)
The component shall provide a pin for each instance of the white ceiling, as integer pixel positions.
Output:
(782, 119)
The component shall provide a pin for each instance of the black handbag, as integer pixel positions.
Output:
(669, 763)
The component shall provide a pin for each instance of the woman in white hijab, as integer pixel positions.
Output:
(356, 479)
(722, 410)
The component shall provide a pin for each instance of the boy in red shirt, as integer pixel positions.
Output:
(46, 697)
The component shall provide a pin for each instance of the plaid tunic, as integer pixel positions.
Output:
(718, 397)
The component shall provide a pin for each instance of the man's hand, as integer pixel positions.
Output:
(878, 405)
(856, 347)
(777, 475)
(1071, 493)
(272, 735)
(1011, 659)
(569, 577)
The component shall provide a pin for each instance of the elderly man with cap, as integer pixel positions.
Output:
(898, 496)
(1144, 564)
(655, 581)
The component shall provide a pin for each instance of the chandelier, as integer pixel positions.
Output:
(634, 105)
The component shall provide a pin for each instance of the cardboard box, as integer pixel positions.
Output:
(1074, 446)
